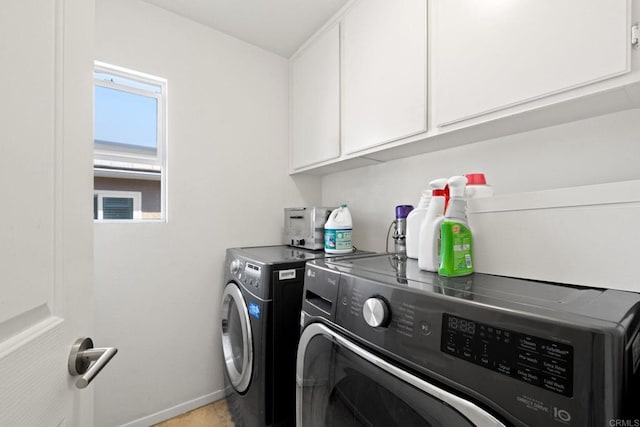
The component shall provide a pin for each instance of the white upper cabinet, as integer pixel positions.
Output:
(315, 101)
(494, 54)
(384, 76)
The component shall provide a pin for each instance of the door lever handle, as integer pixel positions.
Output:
(88, 361)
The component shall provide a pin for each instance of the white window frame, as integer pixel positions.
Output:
(135, 195)
(121, 164)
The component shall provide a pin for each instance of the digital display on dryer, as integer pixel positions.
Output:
(541, 362)
(462, 325)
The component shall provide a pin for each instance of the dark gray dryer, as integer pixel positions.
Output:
(386, 344)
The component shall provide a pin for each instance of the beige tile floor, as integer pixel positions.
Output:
(213, 415)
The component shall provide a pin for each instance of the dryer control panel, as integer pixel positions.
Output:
(538, 361)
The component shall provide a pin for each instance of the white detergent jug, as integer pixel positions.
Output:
(337, 232)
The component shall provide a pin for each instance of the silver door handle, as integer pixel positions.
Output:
(88, 361)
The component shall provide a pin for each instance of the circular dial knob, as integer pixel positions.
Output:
(235, 266)
(375, 312)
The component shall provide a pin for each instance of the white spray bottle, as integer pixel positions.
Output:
(414, 222)
(428, 251)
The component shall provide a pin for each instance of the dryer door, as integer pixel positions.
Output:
(341, 383)
(237, 341)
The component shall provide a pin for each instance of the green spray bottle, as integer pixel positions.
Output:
(456, 241)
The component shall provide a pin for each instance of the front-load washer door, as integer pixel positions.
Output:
(237, 340)
(340, 383)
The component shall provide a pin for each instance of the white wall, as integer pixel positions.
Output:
(158, 286)
(599, 150)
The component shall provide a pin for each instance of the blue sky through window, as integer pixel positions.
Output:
(125, 118)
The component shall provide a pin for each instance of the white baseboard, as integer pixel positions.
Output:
(174, 411)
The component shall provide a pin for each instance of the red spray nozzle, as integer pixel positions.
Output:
(446, 198)
(476, 179)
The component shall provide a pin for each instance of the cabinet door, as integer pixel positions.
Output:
(384, 72)
(315, 101)
(493, 54)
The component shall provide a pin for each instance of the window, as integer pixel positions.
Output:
(129, 144)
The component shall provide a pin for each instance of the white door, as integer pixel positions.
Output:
(46, 243)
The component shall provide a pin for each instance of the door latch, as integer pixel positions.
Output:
(88, 361)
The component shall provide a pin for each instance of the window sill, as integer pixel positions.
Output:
(130, 221)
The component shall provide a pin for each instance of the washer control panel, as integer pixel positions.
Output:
(407, 321)
(251, 275)
(247, 273)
